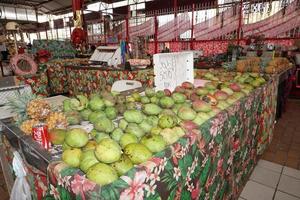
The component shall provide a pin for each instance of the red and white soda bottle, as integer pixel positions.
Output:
(40, 134)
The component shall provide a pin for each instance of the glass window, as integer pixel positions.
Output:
(10, 13)
(31, 15)
(43, 35)
(33, 36)
(21, 14)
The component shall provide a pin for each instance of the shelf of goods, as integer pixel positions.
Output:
(212, 160)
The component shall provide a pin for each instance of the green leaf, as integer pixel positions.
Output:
(169, 180)
(64, 194)
(219, 139)
(153, 197)
(172, 194)
(169, 166)
(205, 172)
(49, 197)
(120, 183)
(69, 171)
(78, 197)
(185, 194)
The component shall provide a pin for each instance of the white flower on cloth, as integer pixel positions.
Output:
(54, 192)
(190, 187)
(177, 173)
(150, 189)
(135, 191)
(66, 180)
(60, 180)
(155, 175)
(162, 164)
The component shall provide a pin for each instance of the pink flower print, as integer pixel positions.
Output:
(196, 191)
(54, 192)
(201, 145)
(80, 185)
(236, 145)
(177, 173)
(214, 127)
(192, 136)
(135, 191)
(76, 184)
(87, 185)
(208, 183)
(177, 154)
(220, 165)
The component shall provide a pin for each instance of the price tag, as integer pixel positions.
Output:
(172, 69)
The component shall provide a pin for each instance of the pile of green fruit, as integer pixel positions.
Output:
(128, 131)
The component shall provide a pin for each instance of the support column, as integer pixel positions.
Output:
(37, 22)
(155, 33)
(127, 25)
(175, 17)
(192, 29)
(240, 22)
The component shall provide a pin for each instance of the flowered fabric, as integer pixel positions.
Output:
(38, 83)
(35, 178)
(56, 71)
(212, 161)
(88, 80)
(58, 49)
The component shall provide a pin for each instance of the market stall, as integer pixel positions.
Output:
(212, 160)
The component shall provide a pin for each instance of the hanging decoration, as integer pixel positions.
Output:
(78, 35)
(23, 64)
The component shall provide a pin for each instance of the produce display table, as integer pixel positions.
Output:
(213, 161)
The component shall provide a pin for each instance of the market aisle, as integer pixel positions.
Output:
(285, 147)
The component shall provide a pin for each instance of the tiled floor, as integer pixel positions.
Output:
(271, 181)
(285, 147)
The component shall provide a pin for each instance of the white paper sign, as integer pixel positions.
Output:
(172, 69)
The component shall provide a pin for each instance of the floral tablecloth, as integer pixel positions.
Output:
(86, 80)
(213, 161)
(37, 180)
(57, 75)
(37, 82)
(58, 49)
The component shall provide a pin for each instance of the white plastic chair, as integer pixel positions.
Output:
(124, 85)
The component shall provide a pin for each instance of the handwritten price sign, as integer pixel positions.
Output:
(172, 69)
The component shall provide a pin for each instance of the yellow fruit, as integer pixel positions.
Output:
(56, 120)
(27, 126)
(38, 109)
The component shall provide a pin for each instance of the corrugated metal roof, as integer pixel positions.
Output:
(45, 6)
